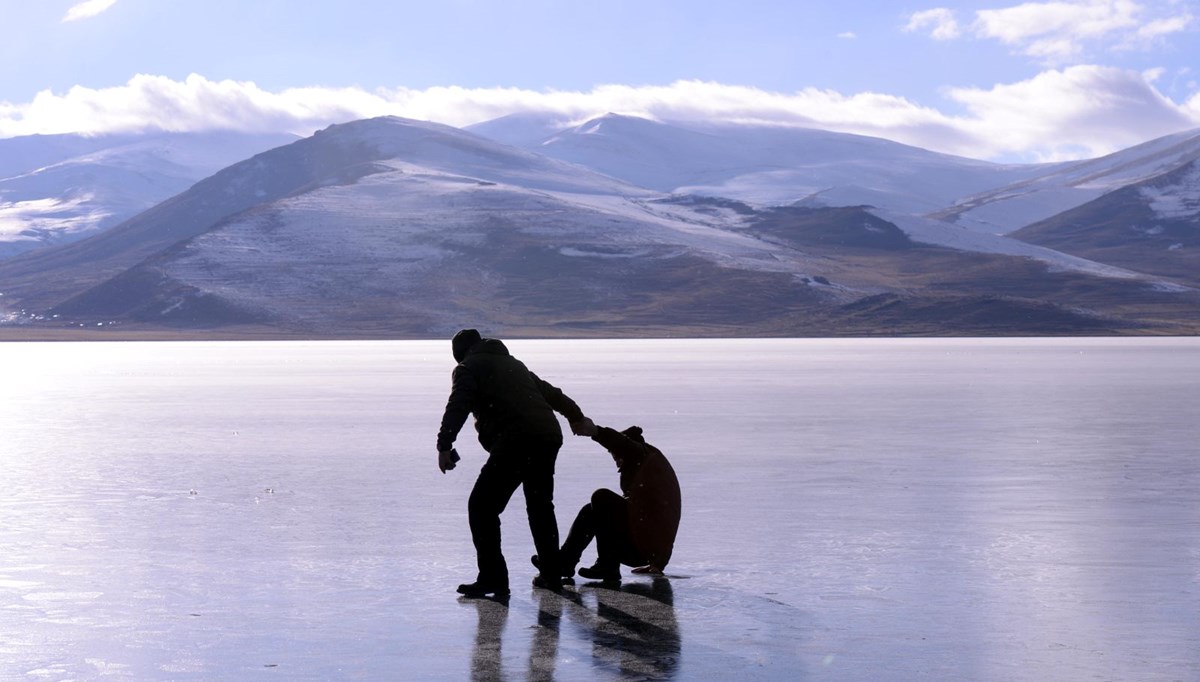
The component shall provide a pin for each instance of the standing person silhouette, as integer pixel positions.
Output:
(514, 416)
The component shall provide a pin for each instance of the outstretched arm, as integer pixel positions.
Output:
(458, 407)
(562, 404)
(619, 444)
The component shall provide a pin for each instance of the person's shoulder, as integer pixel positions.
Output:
(472, 364)
(656, 455)
(490, 347)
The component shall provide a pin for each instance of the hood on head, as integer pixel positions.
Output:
(462, 342)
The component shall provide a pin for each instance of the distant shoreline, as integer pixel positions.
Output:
(42, 335)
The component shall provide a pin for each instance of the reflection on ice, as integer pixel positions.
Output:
(632, 629)
(1011, 509)
(636, 629)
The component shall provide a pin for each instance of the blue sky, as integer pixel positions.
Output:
(1003, 80)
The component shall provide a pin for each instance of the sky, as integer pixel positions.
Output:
(1002, 80)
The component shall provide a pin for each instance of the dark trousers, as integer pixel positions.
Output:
(528, 464)
(605, 518)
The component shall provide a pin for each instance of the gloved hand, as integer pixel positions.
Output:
(447, 459)
(584, 427)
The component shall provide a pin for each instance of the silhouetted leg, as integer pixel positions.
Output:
(539, 505)
(610, 514)
(493, 489)
(583, 529)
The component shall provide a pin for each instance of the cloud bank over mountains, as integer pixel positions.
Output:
(1093, 77)
(1083, 110)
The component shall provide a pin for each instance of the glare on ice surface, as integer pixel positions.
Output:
(854, 510)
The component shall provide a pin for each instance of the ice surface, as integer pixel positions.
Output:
(853, 510)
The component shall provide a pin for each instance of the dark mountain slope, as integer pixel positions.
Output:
(1152, 227)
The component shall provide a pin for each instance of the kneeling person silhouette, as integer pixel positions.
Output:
(636, 528)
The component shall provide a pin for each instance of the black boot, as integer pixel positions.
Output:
(602, 573)
(544, 583)
(567, 571)
(482, 588)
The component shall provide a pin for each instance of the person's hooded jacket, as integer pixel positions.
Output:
(507, 399)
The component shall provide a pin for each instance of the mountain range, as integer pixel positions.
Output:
(617, 226)
(62, 188)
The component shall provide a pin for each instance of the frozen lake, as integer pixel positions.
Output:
(1013, 509)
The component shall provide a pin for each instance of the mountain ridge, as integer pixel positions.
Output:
(59, 189)
(406, 229)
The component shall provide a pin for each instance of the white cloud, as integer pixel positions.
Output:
(941, 23)
(847, 35)
(1061, 31)
(1058, 114)
(1162, 27)
(1091, 110)
(1035, 21)
(88, 9)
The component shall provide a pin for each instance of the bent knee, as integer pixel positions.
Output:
(605, 498)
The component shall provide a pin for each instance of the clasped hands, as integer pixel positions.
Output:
(584, 427)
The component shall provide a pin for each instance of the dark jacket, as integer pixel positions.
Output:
(507, 399)
(649, 483)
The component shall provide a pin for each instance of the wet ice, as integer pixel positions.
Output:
(864, 510)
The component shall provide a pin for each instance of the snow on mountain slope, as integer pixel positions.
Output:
(110, 180)
(412, 250)
(390, 226)
(1012, 207)
(1178, 199)
(71, 199)
(444, 148)
(436, 246)
(940, 233)
(340, 154)
(525, 130)
(23, 154)
(821, 168)
(1151, 226)
(765, 165)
